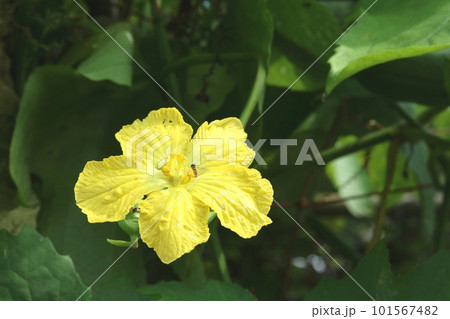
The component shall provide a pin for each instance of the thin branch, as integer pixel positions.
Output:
(255, 94)
(391, 162)
(316, 204)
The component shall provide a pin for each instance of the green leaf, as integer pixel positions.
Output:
(31, 269)
(118, 288)
(109, 61)
(304, 30)
(206, 87)
(427, 281)
(372, 273)
(249, 28)
(342, 10)
(376, 39)
(307, 24)
(350, 177)
(213, 290)
(287, 64)
(64, 121)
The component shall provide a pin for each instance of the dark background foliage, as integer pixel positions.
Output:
(375, 104)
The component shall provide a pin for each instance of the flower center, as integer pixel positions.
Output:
(176, 169)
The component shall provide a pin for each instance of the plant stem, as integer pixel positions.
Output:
(257, 90)
(190, 268)
(220, 256)
(429, 114)
(165, 53)
(407, 117)
(386, 134)
(382, 208)
(362, 143)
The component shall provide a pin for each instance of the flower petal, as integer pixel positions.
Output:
(223, 139)
(147, 140)
(106, 190)
(173, 223)
(239, 196)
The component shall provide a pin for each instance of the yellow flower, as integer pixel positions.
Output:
(181, 179)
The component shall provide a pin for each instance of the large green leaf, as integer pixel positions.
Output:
(118, 288)
(383, 35)
(212, 290)
(206, 87)
(31, 269)
(64, 121)
(287, 63)
(304, 30)
(428, 281)
(109, 61)
(308, 24)
(373, 273)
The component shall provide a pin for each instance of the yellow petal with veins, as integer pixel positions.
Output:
(220, 143)
(146, 142)
(172, 222)
(106, 190)
(239, 196)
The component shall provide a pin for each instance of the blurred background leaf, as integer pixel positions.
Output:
(374, 274)
(58, 130)
(212, 291)
(31, 269)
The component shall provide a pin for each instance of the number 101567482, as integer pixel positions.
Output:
(404, 310)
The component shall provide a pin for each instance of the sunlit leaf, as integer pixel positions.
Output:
(307, 24)
(383, 35)
(109, 61)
